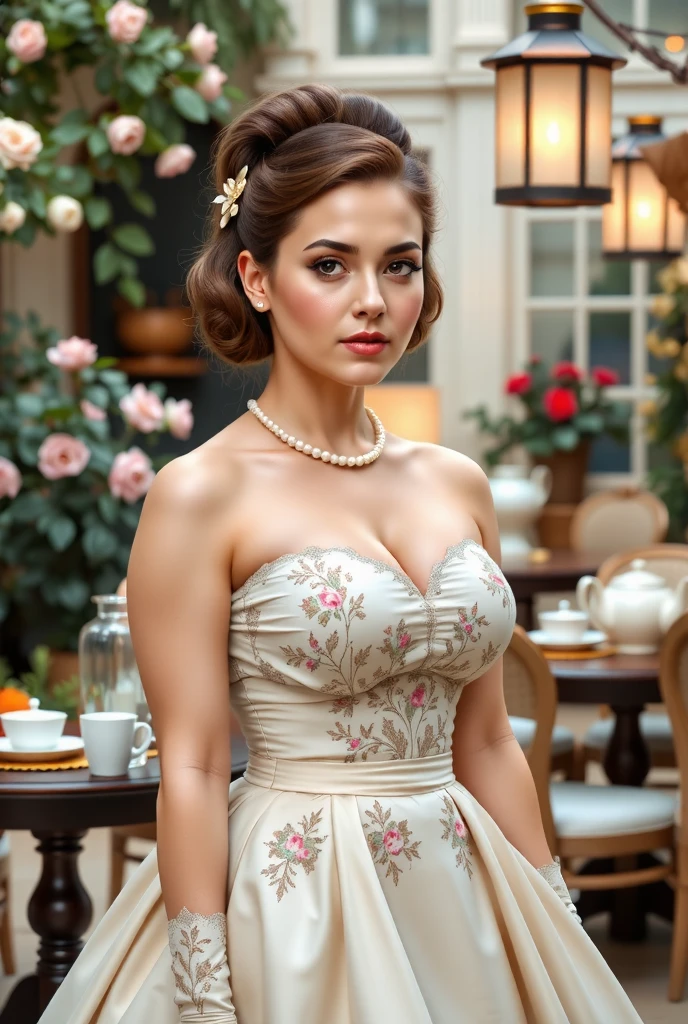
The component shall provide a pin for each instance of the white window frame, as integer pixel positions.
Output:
(383, 65)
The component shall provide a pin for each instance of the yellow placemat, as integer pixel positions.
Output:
(597, 652)
(50, 766)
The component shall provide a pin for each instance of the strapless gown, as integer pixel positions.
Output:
(365, 884)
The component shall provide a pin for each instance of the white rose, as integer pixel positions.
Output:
(12, 217)
(203, 43)
(174, 160)
(662, 306)
(27, 40)
(126, 21)
(20, 144)
(125, 134)
(210, 82)
(65, 213)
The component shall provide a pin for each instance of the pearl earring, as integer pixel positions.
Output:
(259, 305)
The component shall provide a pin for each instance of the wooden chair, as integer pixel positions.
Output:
(583, 821)
(6, 940)
(613, 520)
(119, 854)
(671, 562)
(673, 680)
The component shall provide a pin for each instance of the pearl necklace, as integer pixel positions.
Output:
(317, 453)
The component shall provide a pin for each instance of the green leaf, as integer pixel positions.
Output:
(73, 594)
(27, 506)
(220, 108)
(173, 59)
(98, 212)
(97, 142)
(105, 263)
(133, 238)
(142, 76)
(153, 40)
(143, 202)
(105, 362)
(589, 422)
(538, 445)
(132, 290)
(61, 532)
(566, 438)
(37, 202)
(128, 170)
(29, 404)
(190, 104)
(97, 394)
(99, 543)
(66, 134)
(105, 77)
(108, 508)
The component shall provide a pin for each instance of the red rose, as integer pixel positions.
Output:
(560, 404)
(518, 384)
(566, 371)
(603, 376)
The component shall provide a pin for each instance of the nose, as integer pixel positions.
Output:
(370, 302)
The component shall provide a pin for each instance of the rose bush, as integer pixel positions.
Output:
(71, 479)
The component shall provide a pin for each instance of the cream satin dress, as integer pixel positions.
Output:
(366, 885)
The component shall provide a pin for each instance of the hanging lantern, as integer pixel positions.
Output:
(553, 112)
(642, 221)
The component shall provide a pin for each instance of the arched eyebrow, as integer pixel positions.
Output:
(328, 243)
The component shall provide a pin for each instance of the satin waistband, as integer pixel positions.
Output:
(361, 778)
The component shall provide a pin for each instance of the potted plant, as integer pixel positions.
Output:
(561, 411)
(15, 692)
(74, 469)
(667, 413)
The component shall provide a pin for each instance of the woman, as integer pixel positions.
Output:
(358, 881)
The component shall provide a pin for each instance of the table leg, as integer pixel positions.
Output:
(627, 759)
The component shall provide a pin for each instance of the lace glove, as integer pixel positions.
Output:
(198, 944)
(553, 876)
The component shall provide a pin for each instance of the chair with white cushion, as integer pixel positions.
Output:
(590, 822)
(618, 519)
(673, 681)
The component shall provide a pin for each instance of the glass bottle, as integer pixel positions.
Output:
(108, 674)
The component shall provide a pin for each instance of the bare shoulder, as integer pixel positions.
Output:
(457, 469)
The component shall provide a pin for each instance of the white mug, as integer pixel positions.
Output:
(109, 740)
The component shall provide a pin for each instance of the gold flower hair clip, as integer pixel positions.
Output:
(232, 190)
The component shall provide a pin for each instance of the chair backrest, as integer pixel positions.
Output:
(614, 520)
(667, 560)
(530, 691)
(673, 681)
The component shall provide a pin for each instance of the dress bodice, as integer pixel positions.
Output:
(338, 656)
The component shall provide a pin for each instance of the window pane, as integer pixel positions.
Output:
(610, 343)
(383, 27)
(619, 10)
(608, 456)
(605, 277)
(551, 257)
(670, 16)
(552, 335)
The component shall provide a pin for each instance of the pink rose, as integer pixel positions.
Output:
(20, 144)
(27, 40)
(62, 455)
(393, 841)
(294, 842)
(174, 160)
(125, 134)
(125, 21)
(143, 409)
(179, 417)
(303, 854)
(203, 43)
(330, 599)
(73, 354)
(354, 744)
(497, 579)
(468, 628)
(10, 479)
(131, 475)
(91, 411)
(311, 665)
(460, 828)
(418, 697)
(404, 640)
(210, 82)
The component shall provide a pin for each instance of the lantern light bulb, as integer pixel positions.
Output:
(644, 210)
(674, 44)
(553, 134)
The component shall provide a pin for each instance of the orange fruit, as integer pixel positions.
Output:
(12, 699)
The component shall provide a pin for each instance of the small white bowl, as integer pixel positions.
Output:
(33, 730)
(565, 624)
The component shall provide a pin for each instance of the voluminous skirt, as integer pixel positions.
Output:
(359, 893)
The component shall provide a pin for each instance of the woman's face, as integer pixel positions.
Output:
(352, 264)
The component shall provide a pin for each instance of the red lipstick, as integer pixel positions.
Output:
(366, 343)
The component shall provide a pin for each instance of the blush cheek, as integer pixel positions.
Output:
(309, 307)
(406, 312)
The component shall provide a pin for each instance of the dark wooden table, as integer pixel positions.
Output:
(58, 808)
(561, 572)
(627, 682)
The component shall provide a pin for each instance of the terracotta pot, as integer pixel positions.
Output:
(157, 330)
(62, 665)
(568, 474)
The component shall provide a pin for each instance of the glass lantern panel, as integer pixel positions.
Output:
(555, 125)
(598, 123)
(383, 27)
(614, 213)
(510, 127)
(646, 209)
(551, 335)
(551, 257)
(605, 277)
(610, 343)
(676, 227)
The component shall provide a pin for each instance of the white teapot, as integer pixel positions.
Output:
(635, 608)
(518, 497)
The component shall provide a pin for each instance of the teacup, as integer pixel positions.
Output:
(110, 741)
(565, 624)
(35, 729)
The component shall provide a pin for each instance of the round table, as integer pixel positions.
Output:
(561, 571)
(59, 807)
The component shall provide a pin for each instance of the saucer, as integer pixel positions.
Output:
(67, 746)
(591, 638)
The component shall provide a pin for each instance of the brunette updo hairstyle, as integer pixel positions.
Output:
(298, 144)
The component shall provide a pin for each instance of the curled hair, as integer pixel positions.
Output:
(298, 144)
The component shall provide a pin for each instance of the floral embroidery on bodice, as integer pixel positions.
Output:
(338, 656)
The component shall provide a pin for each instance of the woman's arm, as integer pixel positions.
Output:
(178, 591)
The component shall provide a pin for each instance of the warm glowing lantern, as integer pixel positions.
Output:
(553, 112)
(642, 221)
